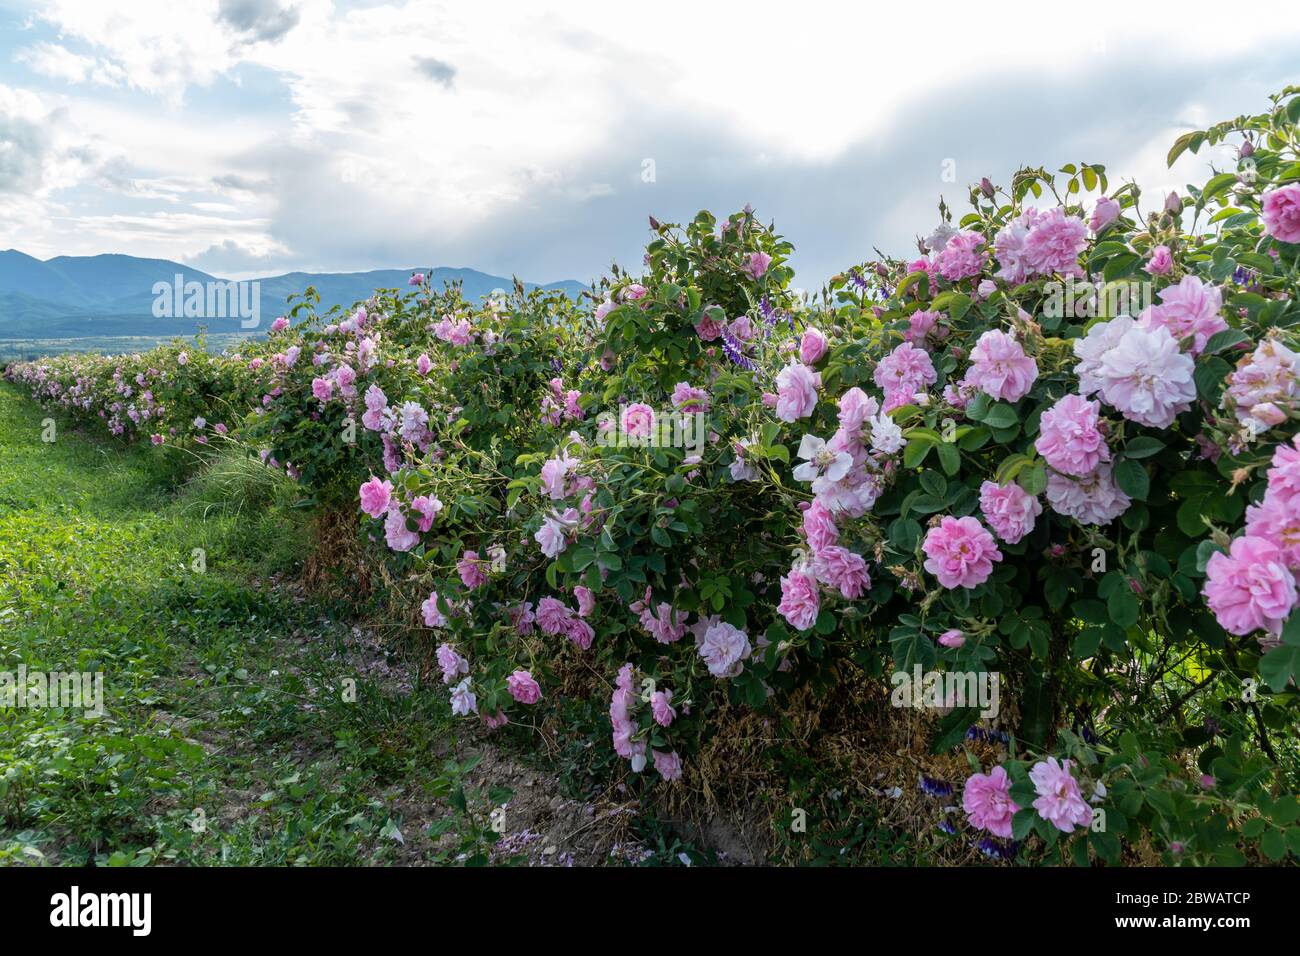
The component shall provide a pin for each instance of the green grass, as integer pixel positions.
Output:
(231, 734)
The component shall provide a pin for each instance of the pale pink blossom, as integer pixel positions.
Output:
(724, 649)
(1160, 262)
(1009, 510)
(797, 387)
(661, 707)
(523, 688)
(463, 700)
(800, 601)
(396, 533)
(1250, 588)
(1189, 308)
(1091, 499)
(843, 570)
(1000, 368)
(986, 798)
(453, 664)
(952, 638)
(433, 617)
(960, 552)
(668, 764)
(962, 257)
(812, 347)
(375, 496)
(1104, 213)
(1059, 800)
(1070, 437)
(1146, 378)
(1281, 211)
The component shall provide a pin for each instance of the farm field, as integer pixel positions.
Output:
(226, 738)
(985, 556)
(21, 350)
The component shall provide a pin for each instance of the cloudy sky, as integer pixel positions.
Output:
(251, 137)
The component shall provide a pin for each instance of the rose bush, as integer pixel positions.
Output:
(1060, 445)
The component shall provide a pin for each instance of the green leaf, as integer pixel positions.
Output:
(1216, 185)
(1279, 666)
(1023, 822)
(1273, 845)
(915, 452)
(1033, 480)
(1291, 630)
(1132, 479)
(1180, 146)
(949, 458)
(1123, 608)
(1226, 339)
(1210, 378)
(1001, 415)
(1143, 447)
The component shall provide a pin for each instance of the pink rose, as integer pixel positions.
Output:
(1070, 438)
(586, 600)
(842, 569)
(819, 527)
(427, 508)
(523, 688)
(661, 706)
(470, 568)
(960, 552)
(797, 387)
(756, 264)
(921, 325)
(375, 496)
(322, 389)
(1059, 801)
(986, 798)
(432, 616)
(800, 601)
(669, 764)
(398, 536)
(1009, 510)
(1161, 261)
(812, 347)
(856, 407)
(452, 664)
(552, 615)
(1000, 368)
(1103, 214)
(952, 638)
(688, 398)
(1282, 213)
(902, 373)
(962, 257)
(1250, 587)
(638, 420)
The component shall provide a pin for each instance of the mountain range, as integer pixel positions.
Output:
(113, 295)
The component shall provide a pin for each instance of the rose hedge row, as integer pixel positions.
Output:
(1059, 446)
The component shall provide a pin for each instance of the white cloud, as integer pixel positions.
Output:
(431, 127)
(57, 62)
